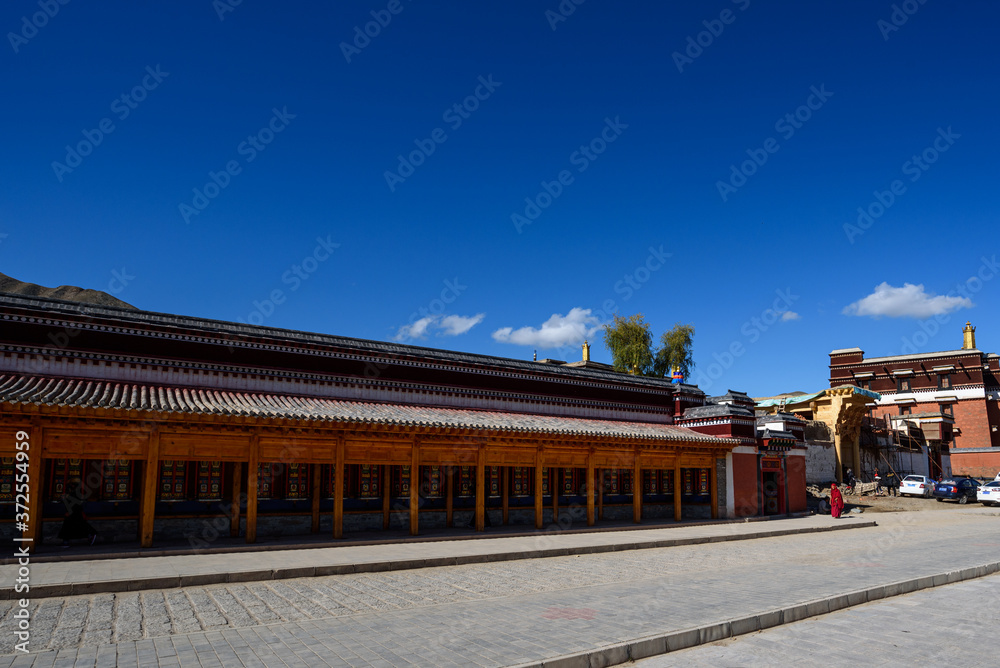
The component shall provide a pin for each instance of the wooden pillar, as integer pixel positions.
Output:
(253, 475)
(449, 502)
(32, 437)
(600, 494)
(481, 489)
(152, 470)
(234, 508)
(590, 489)
(538, 489)
(316, 482)
(554, 487)
(713, 478)
(636, 490)
(414, 488)
(386, 494)
(338, 490)
(139, 476)
(505, 492)
(677, 492)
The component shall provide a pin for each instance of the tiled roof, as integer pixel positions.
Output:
(234, 334)
(124, 396)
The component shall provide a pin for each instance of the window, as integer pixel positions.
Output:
(209, 481)
(905, 410)
(902, 384)
(173, 480)
(64, 471)
(947, 409)
(117, 480)
(7, 480)
(297, 481)
(521, 481)
(944, 381)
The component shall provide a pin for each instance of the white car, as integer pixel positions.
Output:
(916, 485)
(989, 493)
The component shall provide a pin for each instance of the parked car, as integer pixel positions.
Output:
(917, 485)
(958, 488)
(989, 493)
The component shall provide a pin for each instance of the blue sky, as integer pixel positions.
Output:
(277, 165)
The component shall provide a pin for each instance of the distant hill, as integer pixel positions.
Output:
(67, 292)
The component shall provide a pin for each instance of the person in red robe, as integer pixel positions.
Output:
(836, 501)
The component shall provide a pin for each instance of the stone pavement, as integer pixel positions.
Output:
(950, 625)
(601, 606)
(61, 578)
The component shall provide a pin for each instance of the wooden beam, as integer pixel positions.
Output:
(149, 485)
(636, 490)
(338, 490)
(505, 493)
(32, 436)
(386, 494)
(538, 489)
(677, 492)
(591, 483)
(414, 488)
(481, 489)
(253, 480)
(235, 504)
(316, 481)
(449, 502)
(713, 477)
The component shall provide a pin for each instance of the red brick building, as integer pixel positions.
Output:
(952, 395)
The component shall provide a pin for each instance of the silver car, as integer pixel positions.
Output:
(917, 485)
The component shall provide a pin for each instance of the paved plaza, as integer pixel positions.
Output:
(508, 612)
(950, 625)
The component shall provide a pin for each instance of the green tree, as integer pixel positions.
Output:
(675, 351)
(630, 342)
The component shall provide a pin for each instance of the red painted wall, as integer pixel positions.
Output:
(795, 469)
(745, 484)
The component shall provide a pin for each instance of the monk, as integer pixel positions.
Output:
(836, 501)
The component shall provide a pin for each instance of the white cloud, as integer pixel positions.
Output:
(449, 325)
(909, 301)
(416, 330)
(557, 331)
(790, 315)
(454, 325)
